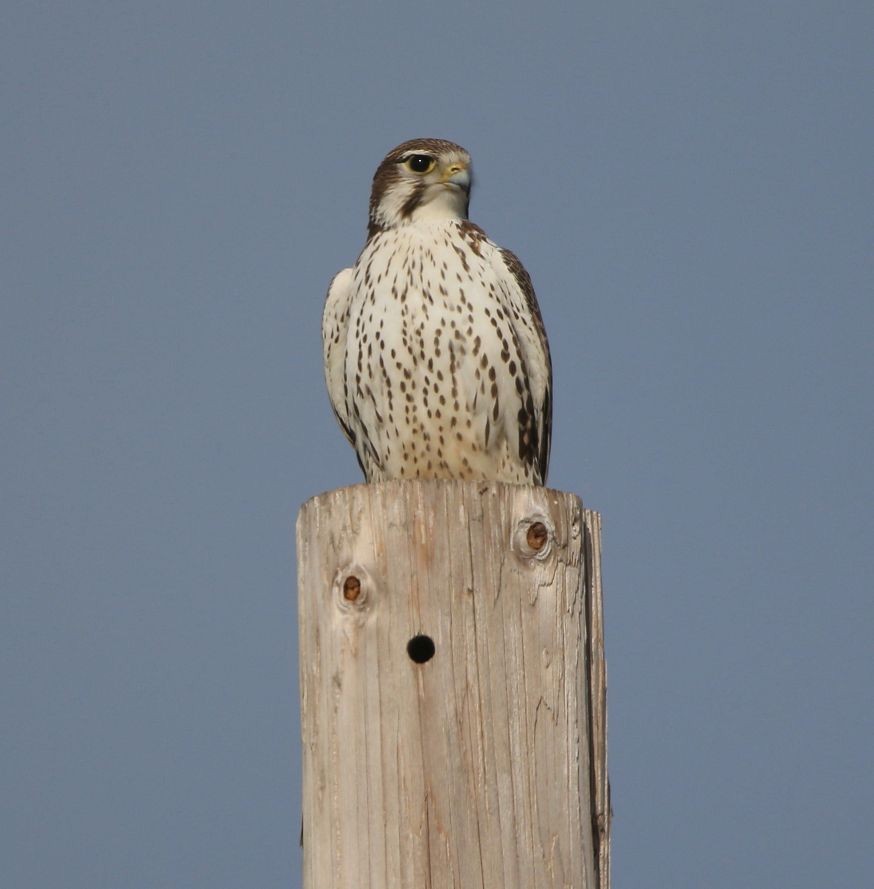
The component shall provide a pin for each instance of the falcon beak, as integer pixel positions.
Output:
(458, 175)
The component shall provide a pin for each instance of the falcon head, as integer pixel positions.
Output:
(420, 179)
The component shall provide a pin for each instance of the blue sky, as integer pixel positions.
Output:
(689, 185)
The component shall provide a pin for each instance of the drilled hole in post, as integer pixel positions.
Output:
(420, 649)
(537, 536)
(351, 588)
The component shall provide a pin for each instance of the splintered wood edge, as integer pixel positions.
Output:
(602, 813)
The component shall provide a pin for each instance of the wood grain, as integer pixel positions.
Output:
(484, 766)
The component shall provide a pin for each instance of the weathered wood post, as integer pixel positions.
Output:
(453, 690)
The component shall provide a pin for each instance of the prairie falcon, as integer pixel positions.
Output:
(436, 358)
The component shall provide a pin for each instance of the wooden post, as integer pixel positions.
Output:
(453, 701)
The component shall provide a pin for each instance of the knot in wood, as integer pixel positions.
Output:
(537, 536)
(351, 588)
(534, 537)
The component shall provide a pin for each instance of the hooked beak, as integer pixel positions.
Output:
(458, 175)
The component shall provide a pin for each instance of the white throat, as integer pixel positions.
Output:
(441, 204)
(446, 203)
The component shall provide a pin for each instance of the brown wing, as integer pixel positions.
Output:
(536, 417)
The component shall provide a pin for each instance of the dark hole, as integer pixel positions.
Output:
(420, 649)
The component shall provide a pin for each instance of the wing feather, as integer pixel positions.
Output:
(335, 329)
(537, 359)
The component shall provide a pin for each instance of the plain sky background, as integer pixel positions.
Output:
(689, 185)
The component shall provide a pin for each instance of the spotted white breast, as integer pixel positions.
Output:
(435, 355)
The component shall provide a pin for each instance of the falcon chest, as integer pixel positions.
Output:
(428, 325)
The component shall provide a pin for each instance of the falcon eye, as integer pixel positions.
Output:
(420, 163)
